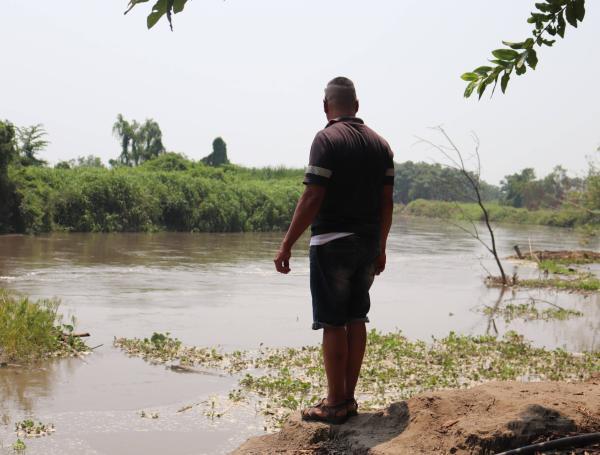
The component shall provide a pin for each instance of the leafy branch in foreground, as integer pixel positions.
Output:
(160, 9)
(550, 20)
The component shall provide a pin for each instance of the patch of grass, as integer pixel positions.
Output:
(586, 283)
(556, 267)
(33, 330)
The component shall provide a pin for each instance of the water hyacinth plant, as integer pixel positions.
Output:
(283, 380)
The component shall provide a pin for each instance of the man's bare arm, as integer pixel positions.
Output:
(306, 210)
(387, 210)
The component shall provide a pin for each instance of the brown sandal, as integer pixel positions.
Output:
(330, 414)
(351, 407)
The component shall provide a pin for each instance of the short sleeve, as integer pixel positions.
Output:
(389, 167)
(321, 162)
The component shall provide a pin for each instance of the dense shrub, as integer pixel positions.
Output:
(169, 192)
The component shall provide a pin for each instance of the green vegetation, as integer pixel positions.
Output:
(33, 330)
(564, 217)
(583, 282)
(218, 157)
(436, 182)
(530, 312)
(286, 379)
(139, 141)
(19, 446)
(148, 189)
(162, 348)
(550, 19)
(147, 198)
(29, 429)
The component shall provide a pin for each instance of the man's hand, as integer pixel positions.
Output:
(282, 260)
(380, 263)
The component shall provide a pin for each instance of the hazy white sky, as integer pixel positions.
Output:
(253, 72)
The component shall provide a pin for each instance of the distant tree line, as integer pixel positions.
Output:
(435, 182)
(147, 188)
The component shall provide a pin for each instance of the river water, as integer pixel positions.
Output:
(222, 290)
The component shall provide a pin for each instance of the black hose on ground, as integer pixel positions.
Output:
(570, 442)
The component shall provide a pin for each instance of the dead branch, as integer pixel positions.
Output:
(454, 155)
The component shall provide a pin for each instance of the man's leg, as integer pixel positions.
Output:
(335, 356)
(356, 336)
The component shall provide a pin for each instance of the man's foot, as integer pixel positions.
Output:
(351, 407)
(336, 414)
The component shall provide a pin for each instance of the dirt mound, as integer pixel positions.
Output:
(483, 420)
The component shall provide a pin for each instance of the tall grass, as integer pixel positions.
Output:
(31, 330)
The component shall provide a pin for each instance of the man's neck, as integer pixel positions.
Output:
(337, 115)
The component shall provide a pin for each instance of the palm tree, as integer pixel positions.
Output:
(30, 140)
(123, 131)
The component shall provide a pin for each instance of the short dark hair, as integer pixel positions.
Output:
(341, 92)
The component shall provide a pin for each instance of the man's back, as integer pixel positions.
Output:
(354, 163)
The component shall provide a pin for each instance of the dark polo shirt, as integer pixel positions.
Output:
(354, 163)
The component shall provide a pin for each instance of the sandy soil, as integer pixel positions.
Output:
(485, 419)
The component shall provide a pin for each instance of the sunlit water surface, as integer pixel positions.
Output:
(221, 289)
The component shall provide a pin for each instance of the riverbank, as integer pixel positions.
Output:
(564, 217)
(488, 418)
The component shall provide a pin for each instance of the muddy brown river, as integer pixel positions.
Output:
(222, 290)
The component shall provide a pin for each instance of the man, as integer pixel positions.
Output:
(348, 201)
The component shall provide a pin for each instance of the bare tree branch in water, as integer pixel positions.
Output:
(491, 323)
(473, 178)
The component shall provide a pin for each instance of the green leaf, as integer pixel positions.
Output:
(543, 7)
(504, 81)
(483, 70)
(520, 70)
(178, 6)
(470, 87)
(528, 43)
(580, 9)
(521, 60)
(481, 88)
(571, 12)
(561, 24)
(158, 10)
(132, 3)
(505, 54)
(469, 77)
(532, 59)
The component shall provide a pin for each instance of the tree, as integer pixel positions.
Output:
(30, 141)
(123, 130)
(8, 151)
(513, 186)
(139, 142)
(473, 181)
(8, 154)
(149, 140)
(550, 19)
(218, 157)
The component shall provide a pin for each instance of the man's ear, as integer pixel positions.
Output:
(325, 106)
(356, 106)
